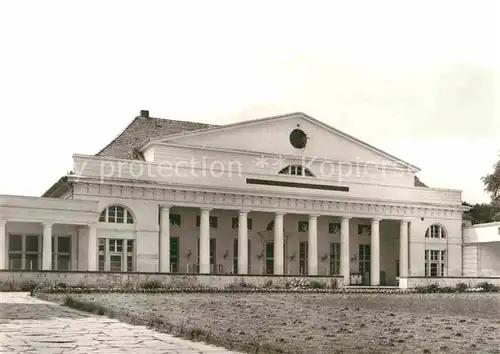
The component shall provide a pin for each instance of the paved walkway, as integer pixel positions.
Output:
(29, 325)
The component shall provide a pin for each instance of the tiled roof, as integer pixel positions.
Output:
(141, 129)
(419, 183)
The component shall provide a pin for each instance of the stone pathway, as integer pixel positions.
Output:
(29, 325)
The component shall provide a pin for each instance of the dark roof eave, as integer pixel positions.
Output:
(57, 188)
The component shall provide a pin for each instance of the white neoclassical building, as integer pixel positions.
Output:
(280, 195)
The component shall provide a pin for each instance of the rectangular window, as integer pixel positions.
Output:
(364, 230)
(303, 226)
(435, 263)
(101, 263)
(102, 246)
(303, 255)
(334, 258)
(24, 252)
(334, 228)
(175, 220)
(130, 256)
(61, 256)
(15, 243)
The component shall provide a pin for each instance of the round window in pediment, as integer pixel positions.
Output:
(298, 139)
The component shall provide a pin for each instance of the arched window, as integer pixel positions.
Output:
(117, 214)
(296, 170)
(435, 231)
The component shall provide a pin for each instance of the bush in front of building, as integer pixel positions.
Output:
(459, 288)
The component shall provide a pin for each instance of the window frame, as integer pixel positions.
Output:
(56, 253)
(436, 232)
(296, 170)
(109, 247)
(435, 259)
(110, 215)
(334, 259)
(23, 252)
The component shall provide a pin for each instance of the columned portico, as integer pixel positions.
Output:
(3, 245)
(205, 241)
(313, 245)
(243, 242)
(403, 249)
(164, 241)
(278, 244)
(375, 253)
(344, 250)
(47, 247)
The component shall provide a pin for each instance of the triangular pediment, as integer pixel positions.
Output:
(272, 136)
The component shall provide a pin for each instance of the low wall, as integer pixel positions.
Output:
(13, 280)
(472, 282)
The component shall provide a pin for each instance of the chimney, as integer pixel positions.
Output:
(144, 114)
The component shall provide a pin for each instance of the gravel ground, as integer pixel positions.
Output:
(329, 323)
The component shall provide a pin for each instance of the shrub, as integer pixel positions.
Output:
(317, 285)
(431, 288)
(488, 287)
(462, 287)
(28, 285)
(268, 284)
(151, 284)
(447, 289)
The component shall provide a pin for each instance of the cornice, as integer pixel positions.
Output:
(161, 188)
(275, 204)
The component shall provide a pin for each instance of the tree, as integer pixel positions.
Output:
(492, 184)
(483, 213)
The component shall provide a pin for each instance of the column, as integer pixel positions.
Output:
(3, 244)
(403, 249)
(205, 241)
(345, 259)
(278, 244)
(47, 247)
(375, 253)
(164, 241)
(243, 242)
(92, 251)
(312, 245)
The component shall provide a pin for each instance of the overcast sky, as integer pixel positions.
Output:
(418, 79)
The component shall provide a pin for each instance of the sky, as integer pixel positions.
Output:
(418, 79)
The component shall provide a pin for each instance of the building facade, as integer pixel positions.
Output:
(280, 195)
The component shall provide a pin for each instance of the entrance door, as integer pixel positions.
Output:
(303, 261)
(364, 263)
(174, 254)
(269, 257)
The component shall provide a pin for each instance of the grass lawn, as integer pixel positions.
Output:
(329, 323)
